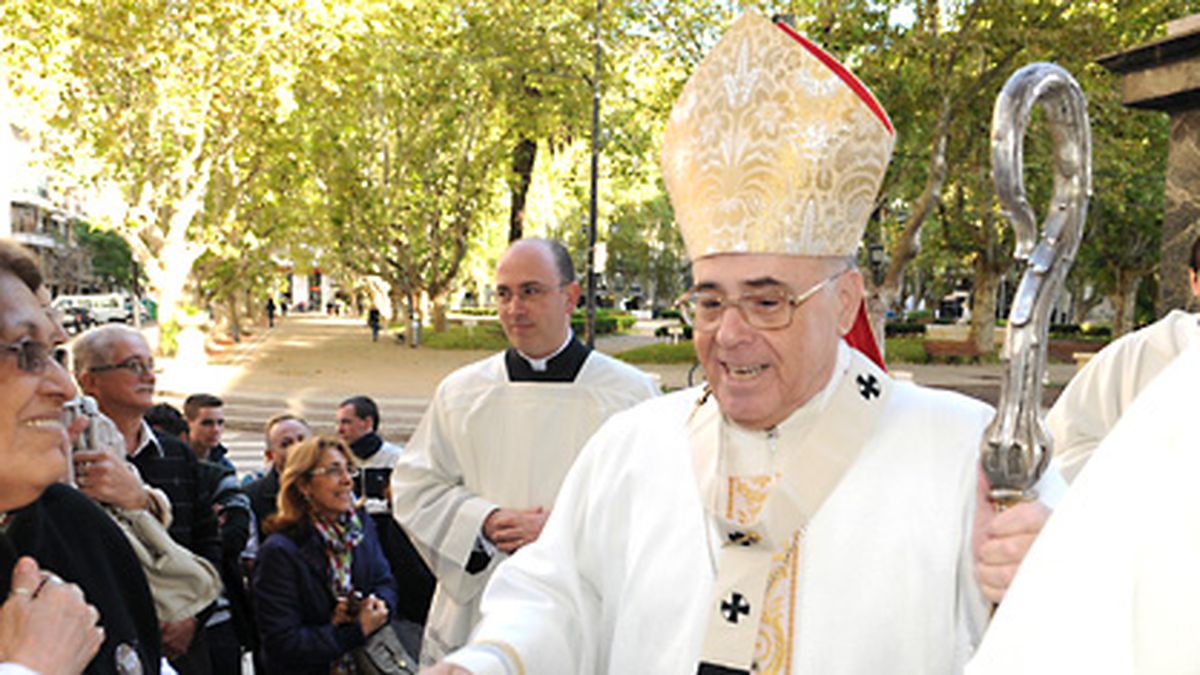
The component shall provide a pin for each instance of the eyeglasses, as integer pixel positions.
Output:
(529, 292)
(137, 366)
(34, 356)
(336, 470)
(767, 309)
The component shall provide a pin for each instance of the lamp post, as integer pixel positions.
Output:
(876, 257)
(591, 252)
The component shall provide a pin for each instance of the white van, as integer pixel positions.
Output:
(105, 307)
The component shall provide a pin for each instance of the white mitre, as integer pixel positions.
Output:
(774, 147)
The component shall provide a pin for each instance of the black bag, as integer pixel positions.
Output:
(384, 655)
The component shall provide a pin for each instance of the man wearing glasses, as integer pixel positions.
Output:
(113, 364)
(481, 472)
(803, 512)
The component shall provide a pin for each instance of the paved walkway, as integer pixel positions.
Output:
(307, 364)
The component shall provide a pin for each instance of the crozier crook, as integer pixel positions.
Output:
(1017, 445)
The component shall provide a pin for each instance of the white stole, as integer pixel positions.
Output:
(812, 455)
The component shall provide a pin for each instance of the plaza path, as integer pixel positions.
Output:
(307, 364)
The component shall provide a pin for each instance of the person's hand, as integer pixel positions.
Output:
(106, 479)
(46, 625)
(372, 614)
(1001, 539)
(341, 612)
(444, 668)
(78, 426)
(510, 529)
(177, 636)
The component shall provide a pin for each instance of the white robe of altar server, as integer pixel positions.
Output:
(1103, 389)
(1112, 584)
(621, 579)
(485, 443)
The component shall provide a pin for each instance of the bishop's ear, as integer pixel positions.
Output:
(849, 291)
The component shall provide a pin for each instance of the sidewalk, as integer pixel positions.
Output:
(313, 357)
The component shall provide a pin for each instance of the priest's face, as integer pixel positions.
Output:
(535, 303)
(760, 375)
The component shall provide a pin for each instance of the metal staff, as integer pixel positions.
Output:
(1016, 445)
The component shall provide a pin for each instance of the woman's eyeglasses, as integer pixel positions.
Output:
(33, 357)
(336, 470)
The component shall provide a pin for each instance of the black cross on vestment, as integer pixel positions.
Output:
(868, 386)
(735, 606)
(743, 538)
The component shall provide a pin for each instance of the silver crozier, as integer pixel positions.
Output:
(1016, 445)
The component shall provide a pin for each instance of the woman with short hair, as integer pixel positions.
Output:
(69, 538)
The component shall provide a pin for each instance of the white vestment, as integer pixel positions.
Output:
(1112, 584)
(484, 443)
(621, 579)
(1103, 389)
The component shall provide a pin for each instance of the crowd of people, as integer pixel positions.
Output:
(801, 512)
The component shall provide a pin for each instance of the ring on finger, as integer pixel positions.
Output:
(22, 591)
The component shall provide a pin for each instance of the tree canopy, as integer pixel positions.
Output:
(226, 140)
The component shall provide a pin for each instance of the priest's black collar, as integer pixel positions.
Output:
(562, 367)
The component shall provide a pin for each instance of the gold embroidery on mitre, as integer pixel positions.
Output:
(768, 150)
(746, 496)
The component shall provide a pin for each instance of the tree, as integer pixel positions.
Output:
(404, 147)
(152, 96)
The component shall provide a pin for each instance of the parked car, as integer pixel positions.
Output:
(77, 318)
(105, 307)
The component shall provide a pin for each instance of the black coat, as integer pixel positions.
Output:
(294, 601)
(66, 533)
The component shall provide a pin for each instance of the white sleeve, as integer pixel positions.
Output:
(429, 500)
(542, 608)
(15, 669)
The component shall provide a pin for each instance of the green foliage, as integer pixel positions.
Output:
(111, 256)
(905, 349)
(663, 352)
(487, 336)
(607, 321)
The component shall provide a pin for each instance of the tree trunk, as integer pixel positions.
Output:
(523, 156)
(983, 306)
(905, 247)
(439, 312)
(1124, 298)
(235, 325)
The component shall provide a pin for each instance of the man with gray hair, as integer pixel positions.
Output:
(113, 364)
(482, 469)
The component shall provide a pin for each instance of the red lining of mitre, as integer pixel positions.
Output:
(848, 77)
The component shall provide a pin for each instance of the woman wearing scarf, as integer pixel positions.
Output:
(321, 584)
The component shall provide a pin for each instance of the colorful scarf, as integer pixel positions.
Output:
(340, 536)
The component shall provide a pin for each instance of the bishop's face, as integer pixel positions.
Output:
(760, 376)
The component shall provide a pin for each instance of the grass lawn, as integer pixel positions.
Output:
(663, 352)
(485, 336)
(899, 350)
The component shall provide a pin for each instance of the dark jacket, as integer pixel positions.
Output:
(177, 472)
(263, 494)
(66, 533)
(294, 602)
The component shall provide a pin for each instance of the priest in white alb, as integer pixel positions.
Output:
(803, 513)
(1102, 390)
(483, 467)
